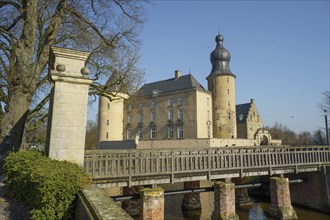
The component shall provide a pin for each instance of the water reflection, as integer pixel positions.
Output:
(258, 210)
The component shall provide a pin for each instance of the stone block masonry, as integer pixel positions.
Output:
(280, 199)
(68, 105)
(152, 204)
(224, 201)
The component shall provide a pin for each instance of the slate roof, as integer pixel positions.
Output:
(170, 85)
(242, 109)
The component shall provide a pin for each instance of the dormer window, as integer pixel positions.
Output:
(240, 117)
(155, 92)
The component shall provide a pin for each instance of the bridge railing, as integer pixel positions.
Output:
(127, 165)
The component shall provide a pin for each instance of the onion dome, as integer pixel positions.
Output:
(220, 58)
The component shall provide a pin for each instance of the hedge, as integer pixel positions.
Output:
(48, 187)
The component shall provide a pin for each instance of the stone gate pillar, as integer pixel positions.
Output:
(280, 199)
(224, 201)
(68, 105)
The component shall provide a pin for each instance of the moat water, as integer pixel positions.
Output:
(258, 210)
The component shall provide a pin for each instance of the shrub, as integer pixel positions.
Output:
(49, 187)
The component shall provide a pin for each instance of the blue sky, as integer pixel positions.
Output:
(279, 52)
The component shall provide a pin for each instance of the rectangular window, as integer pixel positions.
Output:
(180, 114)
(153, 116)
(180, 101)
(153, 132)
(170, 132)
(129, 133)
(229, 116)
(107, 135)
(153, 104)
(140, 132)
(170, 114)
(108, 122)
(108, 106)
(228, 103)
(170, 102)
(228, 91)
(180, 131)
(227, 79)
(140, 117)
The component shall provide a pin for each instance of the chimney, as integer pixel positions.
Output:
(177, 74)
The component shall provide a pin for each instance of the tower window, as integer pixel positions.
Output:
(209, 131)
(208, 114)
(107, 135)
(228, 103)
(108, 122)
(208, 101)
(108, 106)
(228, 91)
(229, 116)
(227, 79)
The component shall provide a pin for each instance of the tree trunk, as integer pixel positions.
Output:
(14, 120)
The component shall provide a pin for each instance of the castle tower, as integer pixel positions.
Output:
(111, 113)
(221, 82)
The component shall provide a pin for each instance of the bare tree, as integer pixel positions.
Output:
(28, 28)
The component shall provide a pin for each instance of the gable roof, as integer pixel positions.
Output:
(242, 109)
(171, 85)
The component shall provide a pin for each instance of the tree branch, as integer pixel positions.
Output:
(123, 10)
(33, 112)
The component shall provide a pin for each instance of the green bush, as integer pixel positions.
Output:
(49, 187)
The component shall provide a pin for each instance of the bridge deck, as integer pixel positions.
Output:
(110, 168)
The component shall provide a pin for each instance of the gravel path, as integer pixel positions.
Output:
(9, 209)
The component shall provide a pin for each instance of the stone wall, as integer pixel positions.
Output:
(93, 204)
(314, 192)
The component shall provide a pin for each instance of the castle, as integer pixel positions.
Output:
(180, 112)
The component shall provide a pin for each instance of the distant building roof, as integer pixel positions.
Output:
(242, 112)
(171, 85)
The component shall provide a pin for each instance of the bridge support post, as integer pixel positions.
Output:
(224, 201)
(191, 201)
(68, 105)
(280, 199)
(152, 204)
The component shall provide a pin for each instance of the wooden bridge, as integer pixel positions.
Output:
(110, 168)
